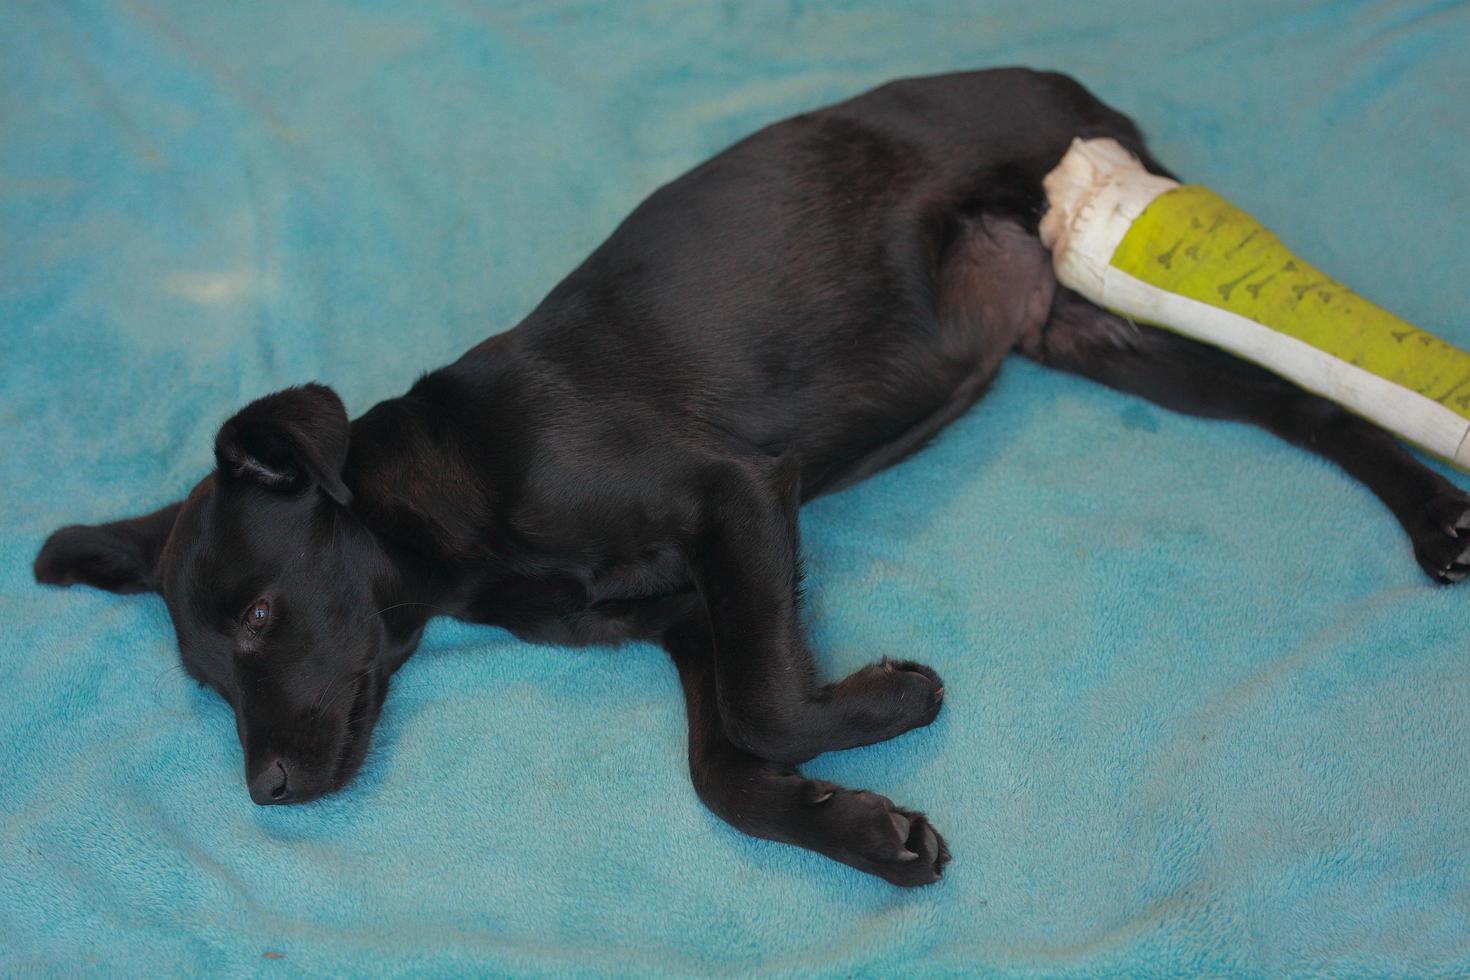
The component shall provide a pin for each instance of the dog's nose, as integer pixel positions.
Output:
(272, 784)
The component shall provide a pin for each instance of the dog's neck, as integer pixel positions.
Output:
(425, 496)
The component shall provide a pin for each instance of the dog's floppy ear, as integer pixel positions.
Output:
(119, 557)
(288, 441)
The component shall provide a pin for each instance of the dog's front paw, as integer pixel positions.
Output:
(873, 834)
(904, 693)
(1442, 542)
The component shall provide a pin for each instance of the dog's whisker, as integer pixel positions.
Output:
(399, 605)
(316, 705)
(350, 681)
(160, 677)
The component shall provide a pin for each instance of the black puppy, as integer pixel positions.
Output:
(806, 308)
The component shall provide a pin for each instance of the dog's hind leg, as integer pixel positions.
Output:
(764, 799)
(744, 561)
(1197, 379)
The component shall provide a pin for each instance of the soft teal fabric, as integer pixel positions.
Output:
(1204, 712)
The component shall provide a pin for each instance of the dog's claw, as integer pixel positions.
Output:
(931, 839)
(820, 791)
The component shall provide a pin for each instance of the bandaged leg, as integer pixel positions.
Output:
(1181, 257)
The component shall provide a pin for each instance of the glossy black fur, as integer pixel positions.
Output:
(804, 309)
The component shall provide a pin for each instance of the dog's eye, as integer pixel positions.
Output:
(258, 615)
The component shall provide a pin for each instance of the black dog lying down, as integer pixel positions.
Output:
(806, 308)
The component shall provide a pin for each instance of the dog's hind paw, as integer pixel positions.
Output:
(1442, 542)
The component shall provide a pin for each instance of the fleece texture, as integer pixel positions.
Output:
(1204, 713)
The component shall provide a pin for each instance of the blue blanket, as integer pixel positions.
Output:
(1205, 713)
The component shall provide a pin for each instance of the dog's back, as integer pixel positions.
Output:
(837, 285)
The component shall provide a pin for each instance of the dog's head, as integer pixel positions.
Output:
(274, 587)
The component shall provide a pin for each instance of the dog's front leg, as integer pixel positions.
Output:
(763, 799)
(745, 565)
